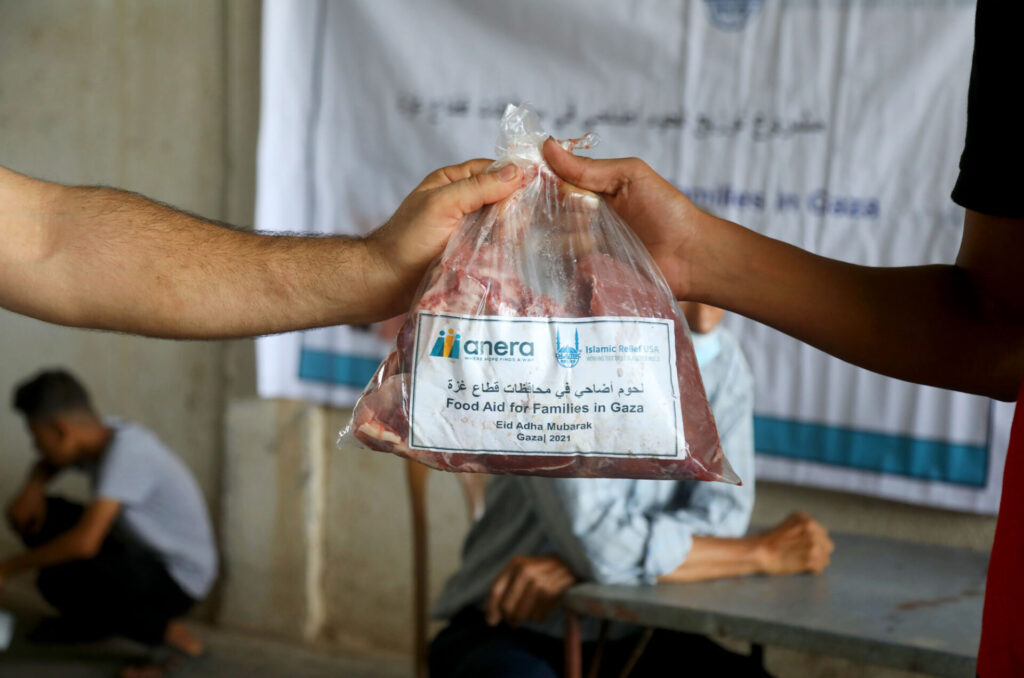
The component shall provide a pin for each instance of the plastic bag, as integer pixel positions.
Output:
(544, 341)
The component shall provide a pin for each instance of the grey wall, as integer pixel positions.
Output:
(155, 97)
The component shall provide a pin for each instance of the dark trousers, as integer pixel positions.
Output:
(469, 648)
(124, 590)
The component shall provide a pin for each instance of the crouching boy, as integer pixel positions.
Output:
(133, 560)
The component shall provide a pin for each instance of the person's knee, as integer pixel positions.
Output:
(492, 661)
(469, 652)
(61, 515)
(705, 657)
(58, 588)
(478, 664)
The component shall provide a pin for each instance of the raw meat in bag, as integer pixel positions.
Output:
(544, 341)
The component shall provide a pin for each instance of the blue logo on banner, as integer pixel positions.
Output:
(446, 345)
(732, 15)
(567, 356)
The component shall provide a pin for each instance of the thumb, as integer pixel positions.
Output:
(470, 194)
(602, 176)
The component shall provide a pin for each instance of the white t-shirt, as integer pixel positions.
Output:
(161, 504)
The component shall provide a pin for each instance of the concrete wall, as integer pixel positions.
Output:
(273, 510)
(318, 539)
(368, 554)
(159, 97)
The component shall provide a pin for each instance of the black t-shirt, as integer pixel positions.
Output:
(992, 182)
(992, 165)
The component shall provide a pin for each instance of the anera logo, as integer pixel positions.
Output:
(446, 345)
(567, 356)
(453, 346)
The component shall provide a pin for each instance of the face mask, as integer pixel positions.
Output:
(706, 346)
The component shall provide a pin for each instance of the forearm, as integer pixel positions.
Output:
(34, 488)
(717, 558)
(67, 547)
(102, 258)
(959, 327)
(927, 324)
(41, 474)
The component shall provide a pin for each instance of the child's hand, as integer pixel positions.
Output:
(664, 219)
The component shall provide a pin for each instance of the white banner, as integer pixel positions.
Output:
(836, 126)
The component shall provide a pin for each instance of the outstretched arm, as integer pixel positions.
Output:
(107, 259)
(958, 326)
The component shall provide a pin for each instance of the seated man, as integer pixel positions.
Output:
(538, 536)
(138, 556)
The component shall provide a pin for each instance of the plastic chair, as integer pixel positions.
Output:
(473, 487)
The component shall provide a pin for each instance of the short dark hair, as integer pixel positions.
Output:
(49, 393)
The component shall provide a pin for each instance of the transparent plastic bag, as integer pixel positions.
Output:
(544, 341)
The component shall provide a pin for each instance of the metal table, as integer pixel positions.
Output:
(910, 606)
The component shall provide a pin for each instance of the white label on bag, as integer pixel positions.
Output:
(494, 384)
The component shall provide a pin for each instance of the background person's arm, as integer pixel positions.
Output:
(958, 326)
(27, 511)
(107, 259)
(530, 587)
(798, 544)
(82, 541)
(594, 526)
(597, 526)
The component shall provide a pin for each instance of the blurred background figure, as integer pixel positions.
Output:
(133, 560)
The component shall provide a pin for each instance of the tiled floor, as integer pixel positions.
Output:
(232, 655)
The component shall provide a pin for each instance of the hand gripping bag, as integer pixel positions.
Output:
(544, 341)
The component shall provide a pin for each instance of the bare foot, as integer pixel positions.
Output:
(151, 670)
(178, 636)
(183, 645)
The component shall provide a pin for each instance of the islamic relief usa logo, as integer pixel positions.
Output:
(567, 356)
(446, 345)
(732, 15)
